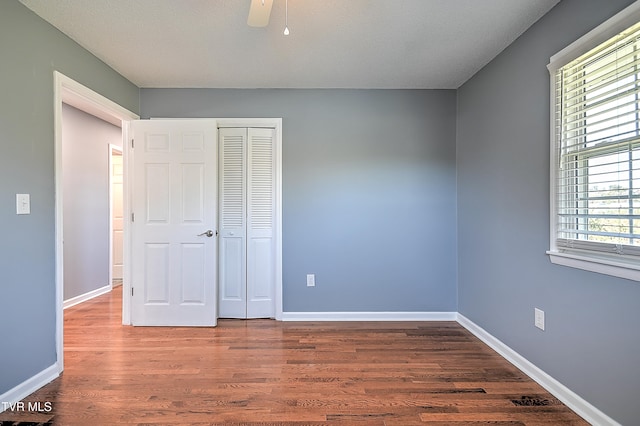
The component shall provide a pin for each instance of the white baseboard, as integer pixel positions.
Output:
(29, 386)
(84, 297)
(572, 400)
(369, 316)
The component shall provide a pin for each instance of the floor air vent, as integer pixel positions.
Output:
(531, 401)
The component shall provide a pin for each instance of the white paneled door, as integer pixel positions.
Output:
(174, 228)
(117, 213)
(247, 222)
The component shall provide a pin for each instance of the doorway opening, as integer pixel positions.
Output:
(72, 93)
(86, 157)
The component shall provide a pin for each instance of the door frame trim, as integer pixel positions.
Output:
(69, 91)
(273, 123)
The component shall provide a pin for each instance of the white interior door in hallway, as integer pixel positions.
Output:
(117, 214)
(174, 217)
(247, 222)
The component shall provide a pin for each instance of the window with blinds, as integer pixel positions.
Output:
(597, 148)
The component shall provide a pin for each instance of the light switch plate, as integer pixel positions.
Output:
(311, 280)
(23, 204)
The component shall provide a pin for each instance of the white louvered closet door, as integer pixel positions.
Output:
(260, 224)
(247, 210)
(232, 277)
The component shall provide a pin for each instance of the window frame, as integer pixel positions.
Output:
(618, 265)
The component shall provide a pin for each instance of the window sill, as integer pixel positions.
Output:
(599, 264)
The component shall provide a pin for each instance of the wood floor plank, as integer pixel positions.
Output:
(264, 372)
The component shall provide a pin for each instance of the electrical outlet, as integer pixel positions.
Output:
(311, 280)
(539, 318)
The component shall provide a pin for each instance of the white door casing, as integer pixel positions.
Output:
(174, 205)
(248, 206)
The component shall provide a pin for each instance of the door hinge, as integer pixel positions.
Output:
(132, 291)
(132, 144)
(133, 217)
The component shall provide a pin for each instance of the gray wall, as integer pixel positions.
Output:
(85, 165)
(591, 343)
(368, 191)
(30, 50)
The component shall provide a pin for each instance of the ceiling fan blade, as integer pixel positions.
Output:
(259, 13)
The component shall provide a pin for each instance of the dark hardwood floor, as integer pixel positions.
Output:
(264, 372)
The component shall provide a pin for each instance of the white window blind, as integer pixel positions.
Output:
(597, 141)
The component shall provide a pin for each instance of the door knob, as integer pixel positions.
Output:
(208, 233)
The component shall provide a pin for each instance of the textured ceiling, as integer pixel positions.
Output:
(430, 44)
